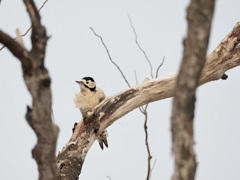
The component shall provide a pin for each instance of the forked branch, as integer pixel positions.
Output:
(28, 28)
(38, 83)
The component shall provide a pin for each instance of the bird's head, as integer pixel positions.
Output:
(87, 83)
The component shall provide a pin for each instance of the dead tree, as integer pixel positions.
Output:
(70, 160)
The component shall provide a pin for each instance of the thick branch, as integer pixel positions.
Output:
(70, 160)
(38, 82)
(199, 16)
(39, 116)
(39, 38)
(28, 28)
(17, 50)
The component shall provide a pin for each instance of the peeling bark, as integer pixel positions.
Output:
(115, 107)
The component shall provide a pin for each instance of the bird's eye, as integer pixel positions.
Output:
(87, 82)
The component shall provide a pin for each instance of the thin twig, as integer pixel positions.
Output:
(135, 74)
(29, 27)
(153, 166)
(146, 142)
(160, 66)
(109, 56)
(144, 109)
(141, 107)
(136, 40)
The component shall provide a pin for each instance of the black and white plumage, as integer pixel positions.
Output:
(88, 98)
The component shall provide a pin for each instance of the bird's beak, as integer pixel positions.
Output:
(78, 82)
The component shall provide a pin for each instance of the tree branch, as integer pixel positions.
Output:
(143, 110)
(109, 56)
(199, 16)
(39, 116)
(160, 65)
(38, 82)
(17, 50)
(70, 160)
(141, 49)
(29, 27)
(145, 113)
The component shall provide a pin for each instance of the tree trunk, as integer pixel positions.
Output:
(38, 83)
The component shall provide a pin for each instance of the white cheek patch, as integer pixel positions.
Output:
(91, 84)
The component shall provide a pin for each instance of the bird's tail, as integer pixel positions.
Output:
(102, 139)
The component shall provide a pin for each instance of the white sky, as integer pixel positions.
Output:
(74, 52)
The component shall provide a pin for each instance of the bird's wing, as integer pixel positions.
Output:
(101, 95)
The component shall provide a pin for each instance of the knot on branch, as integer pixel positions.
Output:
(74, 126)
(224, 77)
(46, 82)
(28, 116)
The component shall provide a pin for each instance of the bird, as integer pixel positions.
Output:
(87, 99)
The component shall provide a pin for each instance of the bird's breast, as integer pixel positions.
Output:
(87, 102)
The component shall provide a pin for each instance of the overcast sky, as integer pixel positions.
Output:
(74, 52)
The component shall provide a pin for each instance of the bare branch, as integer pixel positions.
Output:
(38, 83)
(39, 115)
(17, 50)
(199, 16)
(140, 108)
(160, 66)
(146, 142)
(30, 26)
(145, 54)
(71, 158)
(109, 56)
(135, 74)
(144, 109)
(19, 38)
(153, 166)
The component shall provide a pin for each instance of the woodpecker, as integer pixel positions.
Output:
(89, 97)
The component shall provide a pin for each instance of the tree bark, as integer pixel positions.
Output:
(199, 16)
(38, 83)
(70, 160)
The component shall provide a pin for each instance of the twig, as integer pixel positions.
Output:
(109, 56)
(146, 142)
(144, 109)
(141, 107)
(160, 66)
(136, 40)
(135, 74)
(29, 27)
(153, 166)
